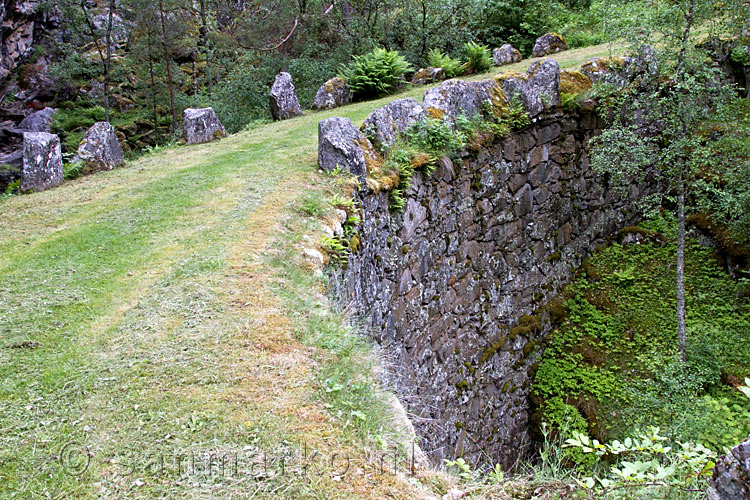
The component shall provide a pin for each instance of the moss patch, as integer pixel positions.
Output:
(574, 82)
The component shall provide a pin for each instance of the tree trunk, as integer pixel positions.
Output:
(681, 337)
(168, 65)
(195, 84)
(204, 42)
(153, 83)
(109, 58)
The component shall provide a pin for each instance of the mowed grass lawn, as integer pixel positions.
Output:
(153, 312)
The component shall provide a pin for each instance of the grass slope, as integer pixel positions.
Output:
(160, 312)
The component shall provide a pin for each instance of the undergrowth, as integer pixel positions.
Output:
(612, 365)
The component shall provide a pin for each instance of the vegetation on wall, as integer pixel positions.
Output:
(612, 366)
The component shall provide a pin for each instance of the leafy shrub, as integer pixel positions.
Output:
(375, 74)
(478, 58)
(437, 59)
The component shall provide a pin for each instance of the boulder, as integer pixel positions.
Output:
(201, 125)
(620, 71)
(731, 476)
(38, 121)
(382, 125)
(507, 54)
(538, 89)
(454, 98)
(284, 102)
(100, 149)
(428, 75)
(332, 94)
(549, 44)
(342, 144)
(42, 162)
(574, 82)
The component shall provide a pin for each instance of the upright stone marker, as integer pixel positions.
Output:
(42, 162)
(507, 54)
(549, 44)
(201, 125)
(100, 149)
(284, 102)
(342, 144)
(332, 94)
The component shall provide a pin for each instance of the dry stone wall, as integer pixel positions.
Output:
(454, 288)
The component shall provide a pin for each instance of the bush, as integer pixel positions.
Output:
(437, 59)
(375, 74)
(478, 58)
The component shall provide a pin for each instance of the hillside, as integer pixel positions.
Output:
(164, 309)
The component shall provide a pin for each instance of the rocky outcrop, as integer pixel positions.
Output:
(284, 102)
(428, 75)
(731, 57)
(507, 54)
(731, 476)
(42, 162)
(538, 89)
(332, 94)
(99, 149)
(38, 121)
(454, 98)
(549, 43)
(342, 145)
(382, 125)
(22, 21)
(201, 125)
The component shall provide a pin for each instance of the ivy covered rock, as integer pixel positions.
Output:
(385, 122)
(549, 43)
(537, 89)
(507, 54)
(283, 99)
(458, 97)
(342, 145)
(332, 94)
(201, 125)
(42, 162)
(100, 149)
(38, 121)
(428, 75)
(731, 476)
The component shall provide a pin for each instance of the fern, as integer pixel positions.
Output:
(478, 58)
(375, 74)
(437, 59)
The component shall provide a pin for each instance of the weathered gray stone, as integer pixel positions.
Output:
(544, 82)
(731, 476)
(341, 144)
(332, 94)
(538, 89)
(428, 75)
(620, 71)
(42, 162)
(284, 102)
(100, 149)
(549, 43)
(507, 54)
(38, 121)
(201, 125)
(454, 98)
(382, 125)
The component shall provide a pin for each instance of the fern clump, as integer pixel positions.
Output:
(376, 73)
(478, 58)
(437, 59)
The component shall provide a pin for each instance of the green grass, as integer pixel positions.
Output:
(159, 309)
